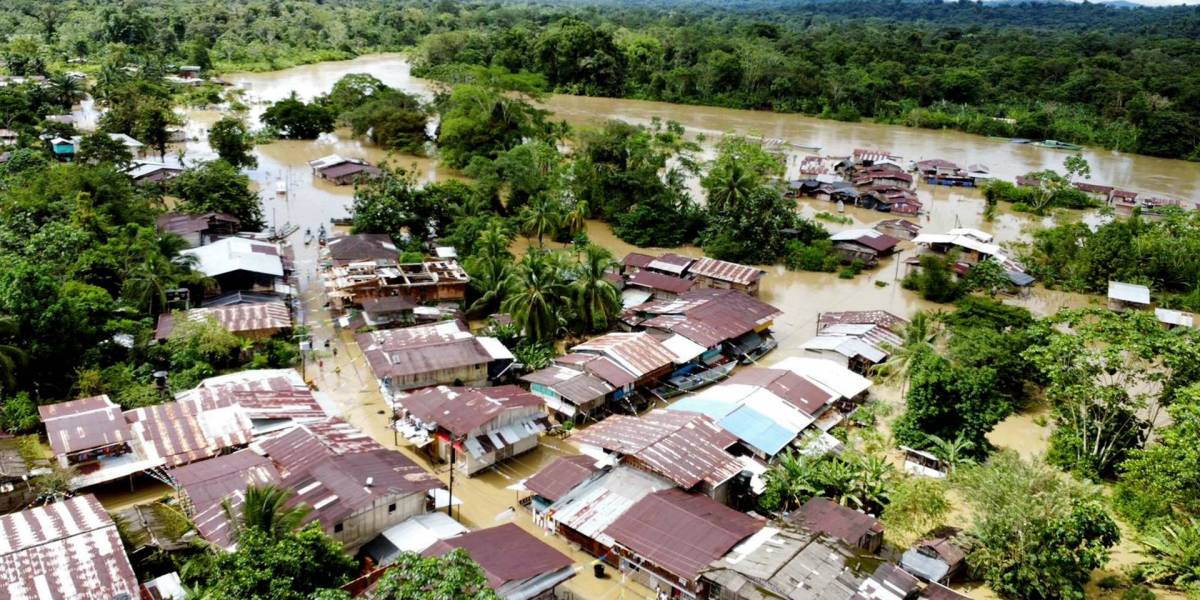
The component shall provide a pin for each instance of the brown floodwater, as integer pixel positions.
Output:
(801, 296)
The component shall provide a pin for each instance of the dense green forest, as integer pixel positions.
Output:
(1119, 78)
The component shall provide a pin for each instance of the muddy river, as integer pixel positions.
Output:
(307, 203)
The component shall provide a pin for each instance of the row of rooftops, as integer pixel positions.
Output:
(818, 552)
(675, 265)
(1111, 194)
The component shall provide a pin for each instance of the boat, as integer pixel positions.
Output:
(321, 235)
(768, 344)
(281, 188)
(279, 234)
(1020, 141)
(1057, 145)
(692, 377)
(308, 236)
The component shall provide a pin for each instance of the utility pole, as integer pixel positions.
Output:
(450, 492)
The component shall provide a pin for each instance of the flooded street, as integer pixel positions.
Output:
(489, 499)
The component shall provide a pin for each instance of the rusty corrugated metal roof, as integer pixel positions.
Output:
(69, 550)
(506, 553)
(84, 424)
(725, 271)
(461, 410)
(638, 353)
(561, 476)
(681, 533)
(685, 447)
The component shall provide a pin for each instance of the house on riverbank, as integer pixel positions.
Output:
(471, 428)
(354, 486)
(442, 353)
(858, 530)
(668, 538)
(687, 448)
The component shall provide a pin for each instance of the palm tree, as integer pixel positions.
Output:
(66, 90)
(11, 357)
(490, 268)
(535, 294)
(728, 183)
(597, 300)
(1174, 553)
(540, 217)
(953, 453)
(265, 509)
(918, 339)
(575, 221)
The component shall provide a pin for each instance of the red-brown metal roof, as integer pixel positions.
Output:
(83, 424)
(725, 271)
(685, 447)
(638, 353)
(461, 410)
(659, 281)
(561, 476)
(881, 318)
(506, 553)
(69, 550)
(681, 533)
(824, 516)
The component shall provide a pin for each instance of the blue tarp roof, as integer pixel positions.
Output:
(757, 429)
(710, 407)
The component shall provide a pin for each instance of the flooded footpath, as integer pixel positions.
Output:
(491, 498)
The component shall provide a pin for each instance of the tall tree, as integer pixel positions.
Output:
(232, 141)
(597, 301)
(535, 296)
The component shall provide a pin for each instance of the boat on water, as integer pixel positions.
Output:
(308, 236)
(321, 236)
(768, 344)
(692, 377)
(1057, 145)
(279, 234)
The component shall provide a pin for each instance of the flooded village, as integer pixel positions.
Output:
(629, 465)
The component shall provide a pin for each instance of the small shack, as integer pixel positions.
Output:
(1124, 296)
(857, 529)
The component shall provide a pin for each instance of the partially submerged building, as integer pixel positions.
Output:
(582, 515)
(668, 538)
(689, 449)
(354, 487)
(340, 170)
(555, 481)
(863, 245)
(784, 563)
(1125, 296)
(472, 428)
(725, 275)
(720, 322)
(68, 550)
(443, 353)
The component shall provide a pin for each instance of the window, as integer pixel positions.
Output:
(392, 507)
(337, 528)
